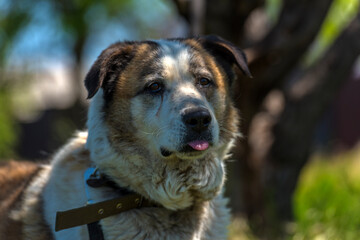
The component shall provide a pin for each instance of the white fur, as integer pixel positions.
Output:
(65, 191)
(175, 57)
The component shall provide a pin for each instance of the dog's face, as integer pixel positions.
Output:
(170, 95)
(164, 107)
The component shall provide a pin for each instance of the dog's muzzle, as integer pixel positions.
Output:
(198, 137)
(197, 119)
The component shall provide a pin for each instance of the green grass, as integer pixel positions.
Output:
(8, 136)
(327, 199)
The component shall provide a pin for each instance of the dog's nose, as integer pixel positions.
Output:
(197, 119)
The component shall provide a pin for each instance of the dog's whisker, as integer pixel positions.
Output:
(155, 132)
(160, 130)
(147, 133)
(226, 130)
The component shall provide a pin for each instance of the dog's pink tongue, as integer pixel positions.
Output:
(199, 145)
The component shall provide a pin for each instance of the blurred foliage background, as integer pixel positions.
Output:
(295, 175)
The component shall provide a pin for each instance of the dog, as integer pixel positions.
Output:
(161, 123)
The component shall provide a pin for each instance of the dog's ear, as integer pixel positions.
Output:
(226, 51)
(107, 68)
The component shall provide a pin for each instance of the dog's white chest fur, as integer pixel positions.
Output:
(206, 220)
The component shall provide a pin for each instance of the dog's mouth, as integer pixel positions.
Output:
(191, 149)
(165, 153)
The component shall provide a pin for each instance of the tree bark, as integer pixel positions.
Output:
(305, 103)
(271, 61)
(225, 18)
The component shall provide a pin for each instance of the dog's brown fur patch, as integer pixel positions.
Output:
(118, 115)
(14, 178)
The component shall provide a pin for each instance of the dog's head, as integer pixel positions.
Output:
(165, 100)
(170, 95)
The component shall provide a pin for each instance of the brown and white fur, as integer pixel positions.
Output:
(151, 103)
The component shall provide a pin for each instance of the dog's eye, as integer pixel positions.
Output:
(155, 87)
(204, 82)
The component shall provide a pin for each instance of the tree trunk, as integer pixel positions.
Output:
(272, 60)
(305, 103)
